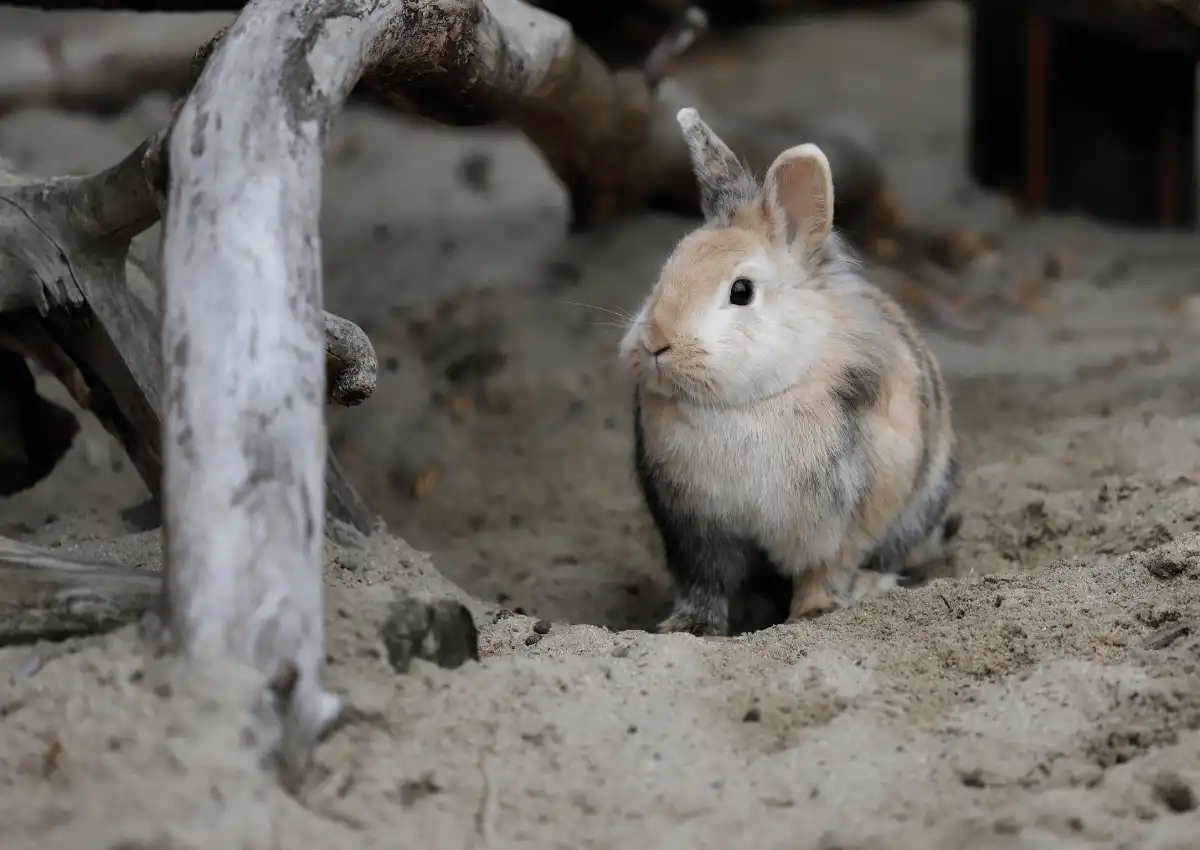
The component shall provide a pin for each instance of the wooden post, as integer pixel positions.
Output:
(1070, 120)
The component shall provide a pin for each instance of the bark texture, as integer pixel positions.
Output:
(242, 322)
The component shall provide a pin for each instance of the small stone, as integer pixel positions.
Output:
(562, 275)
(438, 630)
(1006, 826)
(972, 778)
(542, 627)
(752, 715)
(533, 639)
(1162, 565)
(1058, 264)
(413, 791)
(476, 366)
(1164, 637)
(475, 172)
(1174, 792)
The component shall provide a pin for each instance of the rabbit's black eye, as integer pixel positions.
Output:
(741, 293)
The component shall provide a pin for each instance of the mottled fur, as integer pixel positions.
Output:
(810, 428)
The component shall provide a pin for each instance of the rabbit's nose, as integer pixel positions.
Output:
(655, 340)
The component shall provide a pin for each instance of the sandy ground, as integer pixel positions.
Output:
(1015, 704)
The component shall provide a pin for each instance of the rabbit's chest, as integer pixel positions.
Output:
(760, 471)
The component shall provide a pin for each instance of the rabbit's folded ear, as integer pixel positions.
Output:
(799, 196)
(725, 183)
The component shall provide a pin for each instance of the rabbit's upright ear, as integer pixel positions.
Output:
(799, 196)
(725, 183)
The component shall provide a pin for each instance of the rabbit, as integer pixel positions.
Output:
(784, 407)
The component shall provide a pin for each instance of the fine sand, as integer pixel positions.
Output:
(1047, 694)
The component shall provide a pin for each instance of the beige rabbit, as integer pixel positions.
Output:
(785, 410)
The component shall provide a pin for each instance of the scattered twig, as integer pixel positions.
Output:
(485, 816)
(674, 42)
(1163, 638)
(48, 595)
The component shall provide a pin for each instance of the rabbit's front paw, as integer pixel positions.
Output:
(690, 621)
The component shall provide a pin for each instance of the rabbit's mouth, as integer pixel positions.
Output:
(686, 383)
(676, 371)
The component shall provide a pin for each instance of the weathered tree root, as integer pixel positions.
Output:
(46, 595)
(75, 302)
(607, 135)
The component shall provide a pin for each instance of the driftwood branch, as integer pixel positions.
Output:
(242, 322)
(74, 299)
(63, 245)
(607, 135)
(47, 595)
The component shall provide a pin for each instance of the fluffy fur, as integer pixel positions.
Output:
(810, 428)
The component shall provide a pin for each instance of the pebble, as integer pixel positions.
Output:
(1006, 826)
(532, 639)
(1174, 792)
(542, 627)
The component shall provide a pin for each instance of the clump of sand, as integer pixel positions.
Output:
(1010, 710)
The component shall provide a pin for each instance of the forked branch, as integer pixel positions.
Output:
(74, 300)
(609, 136)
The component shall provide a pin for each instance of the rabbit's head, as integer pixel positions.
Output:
(740, 311)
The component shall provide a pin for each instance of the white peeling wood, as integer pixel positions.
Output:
(243, 343)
